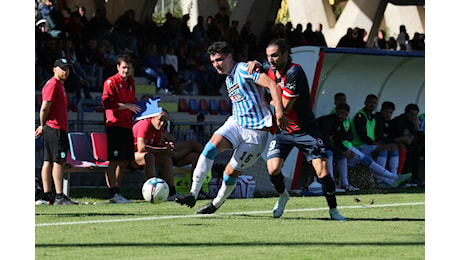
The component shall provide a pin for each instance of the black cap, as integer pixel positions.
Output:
(61, 63)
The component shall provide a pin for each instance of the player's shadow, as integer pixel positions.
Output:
(287, 218)
(83, 214)
(227, 244)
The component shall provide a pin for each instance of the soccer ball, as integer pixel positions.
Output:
(155, 190)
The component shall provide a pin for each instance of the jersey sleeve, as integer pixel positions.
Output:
(48, 92)
(295, 80)
(109, 100)
(243, 71)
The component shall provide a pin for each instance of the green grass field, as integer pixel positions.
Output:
(393, 227)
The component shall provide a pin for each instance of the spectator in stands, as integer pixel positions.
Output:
(402, 39)
(41, 75)
(77, 70)
(233, 134)
(212, 31)
(407, 125)
(118, 100)
(55, 25)
(309, 36)
(267, 35)
(320, 35)
(73, 28)
(153, 63)
(417, 42)
(222, 17)
(186, 34)
(358, 38)
(45, 8)
(83, 19)
(149, 32)
(171, 31)
(341, 148)
(48, 54)
(249, 39)
(171, 58)
(92, 62)
(392, 44)
(175, 82)
(186, 69)
(385, 137)
(363, 126)
(99, 26)
(232, 36)
(208, 81)
(53, 127)
(124, 34)
(379, 41)
(346, 41)
(199, 35)
(337, 140)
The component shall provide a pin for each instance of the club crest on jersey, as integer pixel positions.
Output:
(236, 97)
(121, 85)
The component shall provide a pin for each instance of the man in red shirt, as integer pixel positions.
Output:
(151, 151)
(53, 127)
(118, 100)
(155, 146)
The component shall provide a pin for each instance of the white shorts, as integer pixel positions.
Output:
(248, 144)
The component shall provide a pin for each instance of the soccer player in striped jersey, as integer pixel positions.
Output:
(245, 131)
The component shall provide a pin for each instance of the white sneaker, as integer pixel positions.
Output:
(278, 210)
(118, 198)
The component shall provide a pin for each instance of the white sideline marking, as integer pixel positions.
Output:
(220, 214)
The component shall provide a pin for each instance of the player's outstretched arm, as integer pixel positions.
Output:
(275, 92)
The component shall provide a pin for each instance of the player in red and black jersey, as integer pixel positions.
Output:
(303, 131)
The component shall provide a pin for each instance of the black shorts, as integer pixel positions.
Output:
(56, 144)
(120, 144)
(282, 144)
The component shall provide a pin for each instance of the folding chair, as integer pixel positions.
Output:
(204, 108)
(213, 107)
(99, 142)
(80, 147)
(193, 105)
(183, 106)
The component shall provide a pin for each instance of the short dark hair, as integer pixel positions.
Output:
(338, 95)
(371, 96)
(124, 57)
(343, 106)
(388, 104)
(411, 107)
(219, 47)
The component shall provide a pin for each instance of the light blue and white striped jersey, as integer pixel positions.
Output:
(249, 107)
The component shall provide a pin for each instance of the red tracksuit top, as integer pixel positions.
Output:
(118, 91)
